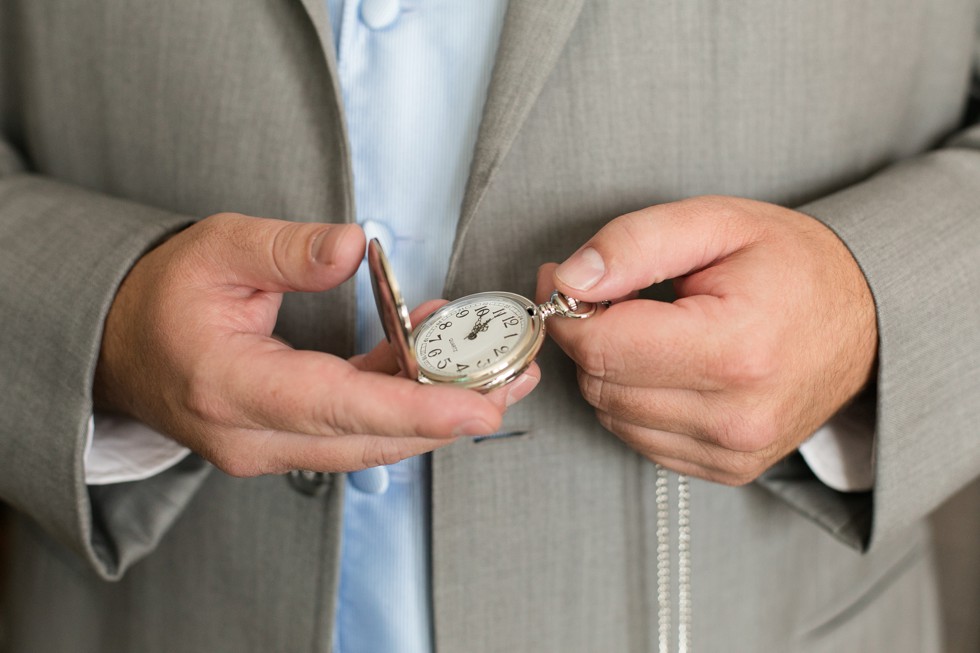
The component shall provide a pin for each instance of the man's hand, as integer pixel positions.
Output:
(772, 332)
(188, 350)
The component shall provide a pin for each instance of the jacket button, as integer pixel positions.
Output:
(312, 484)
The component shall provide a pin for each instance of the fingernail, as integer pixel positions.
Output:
(520, 388)
(472, 427)
(583, 270)
(329, 244)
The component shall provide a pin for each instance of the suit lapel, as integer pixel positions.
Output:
(533, 36)
(316, 11)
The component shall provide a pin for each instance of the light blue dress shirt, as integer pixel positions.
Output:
(414, 76)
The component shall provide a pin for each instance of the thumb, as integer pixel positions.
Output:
(662, 242)
(281, 256)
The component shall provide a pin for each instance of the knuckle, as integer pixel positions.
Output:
(334, 415)
(719, 477)
(209, 239)
(379, 451)
(235, 463)
(211, 223)
(634, 231)
(593, 362)
(219, 223)
(632, 435)
(713, 202)
(597, 360)
(634, 226)
(734, 217)
(703, 205)
(279, 250)
(223, 217)
(732, 468)
(745, 468)
(734, 210)
(748, 431)
(423, 424)
(733, 480)
(203, 398)
(606, 420)
(592, 389)
(761, 437)
(747, 366)
(201, 402)
(325, 418)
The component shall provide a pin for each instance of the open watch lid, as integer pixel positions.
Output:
(392, 309)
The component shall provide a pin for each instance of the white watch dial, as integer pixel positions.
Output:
(471, 335)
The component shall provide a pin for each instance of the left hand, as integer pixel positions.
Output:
(772, 333)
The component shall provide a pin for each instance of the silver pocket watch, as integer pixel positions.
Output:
(480, 341)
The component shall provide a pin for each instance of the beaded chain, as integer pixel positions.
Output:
(664, 603)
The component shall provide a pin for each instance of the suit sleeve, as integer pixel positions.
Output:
(64, 251)
(914, 229)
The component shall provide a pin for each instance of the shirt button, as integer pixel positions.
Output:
(373, 480)
(379, 230)
(379, 14)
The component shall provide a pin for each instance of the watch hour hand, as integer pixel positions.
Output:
(479, 328)
(476, 329)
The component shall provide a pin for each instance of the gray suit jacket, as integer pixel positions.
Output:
(122, 121)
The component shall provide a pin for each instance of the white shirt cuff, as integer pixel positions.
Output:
(119, 449)
(841, 454)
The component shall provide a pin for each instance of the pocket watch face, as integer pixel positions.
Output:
(479, 336)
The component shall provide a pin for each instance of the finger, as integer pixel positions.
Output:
(546, 286)
(264, 452)
(662, 242)
(251, 453)
(715, 418)
(663, 409)
(694, 470)
(625, 298)
(276, 388)
(648, 343)
(280, 256)
(503, 397)
(382, 358)
(686, 455)
(508, 395)
(349, 453)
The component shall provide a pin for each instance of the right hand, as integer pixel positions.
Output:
(188, 350)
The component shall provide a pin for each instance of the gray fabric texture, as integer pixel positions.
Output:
(123, 121)
(957, 526)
